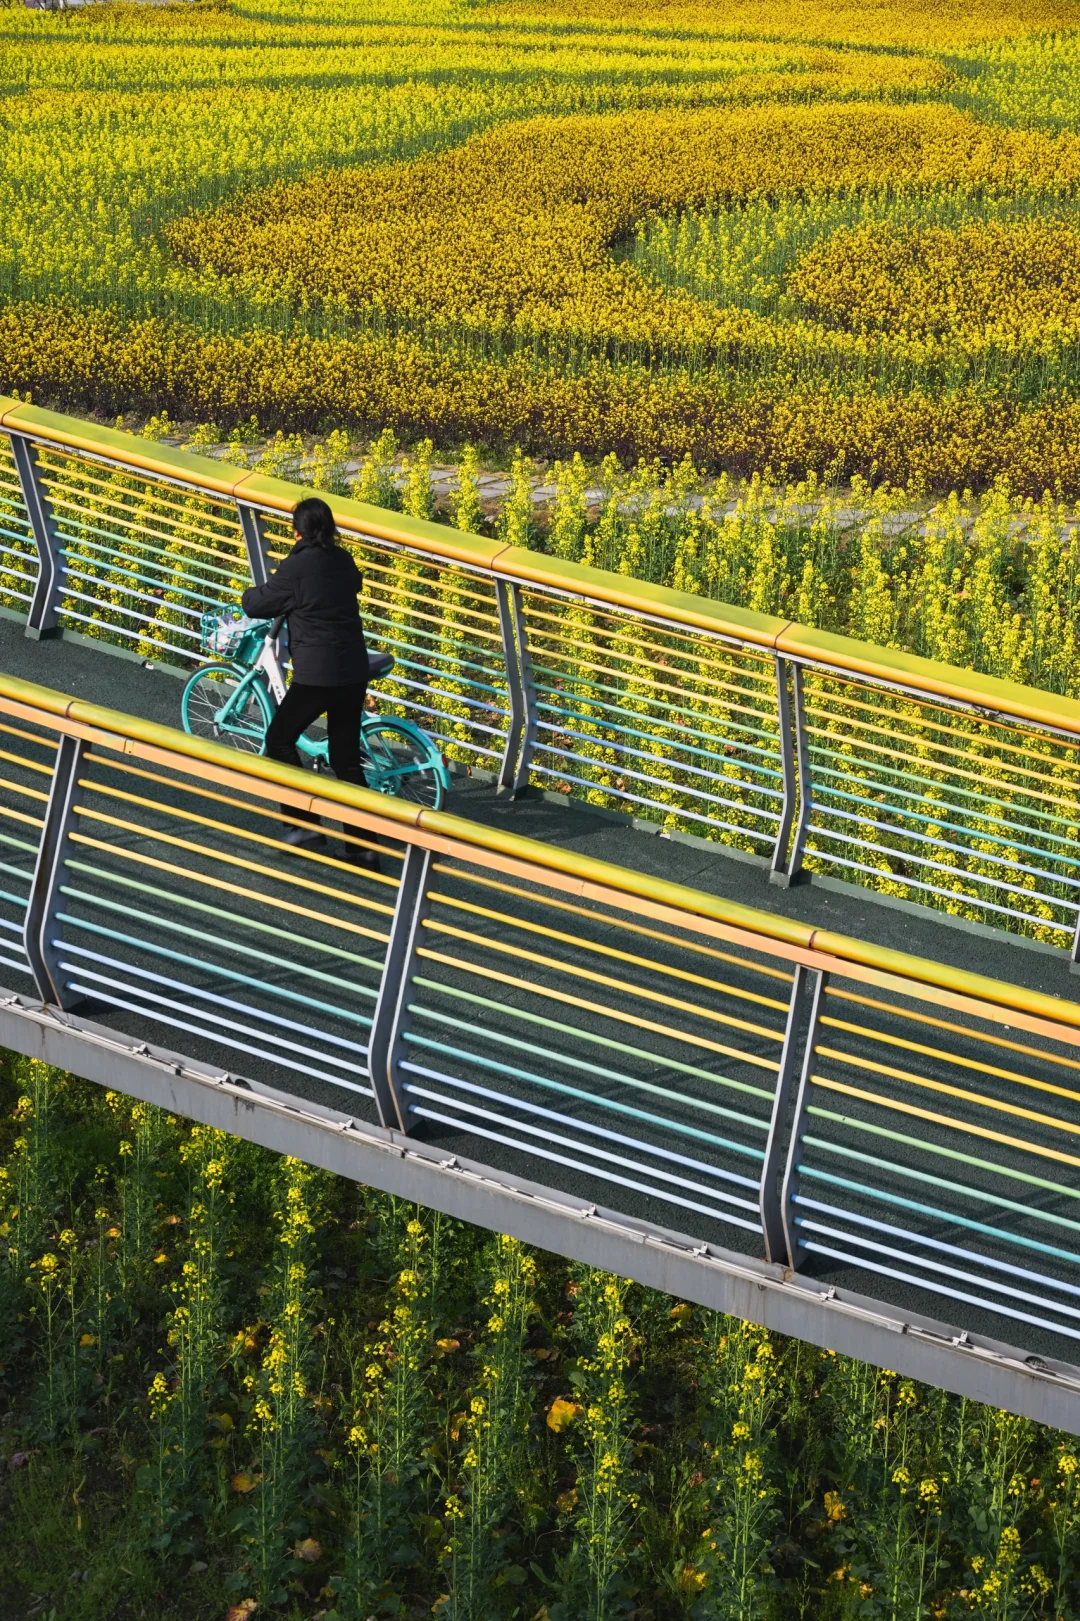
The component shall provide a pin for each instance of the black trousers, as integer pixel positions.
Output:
(344, 710)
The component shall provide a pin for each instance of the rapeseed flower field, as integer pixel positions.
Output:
(782, 236)
(233, 1386)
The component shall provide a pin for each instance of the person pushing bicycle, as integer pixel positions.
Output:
(316, 588)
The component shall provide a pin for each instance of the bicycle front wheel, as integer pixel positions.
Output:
(213, 708)
(401, 760)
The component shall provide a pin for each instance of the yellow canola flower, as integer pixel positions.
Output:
(1001, 284)
(529, 222)
(528, 212)
(562, 1413)
(937, 23)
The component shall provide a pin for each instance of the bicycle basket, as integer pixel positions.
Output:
(227, 634)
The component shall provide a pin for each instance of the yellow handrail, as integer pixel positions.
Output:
(826, 650)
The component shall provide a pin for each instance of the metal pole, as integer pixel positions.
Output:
(778, 873)
(791, 1173)
(787, 867)
(252, 528)
(806, 786)
(41, 618)
(504, 596)
(391, 1008)
(40, 924)
(800, 1010)
(528, 688)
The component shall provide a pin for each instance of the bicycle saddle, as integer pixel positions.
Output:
(378, 665)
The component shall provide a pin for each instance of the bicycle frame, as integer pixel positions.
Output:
(268, 665)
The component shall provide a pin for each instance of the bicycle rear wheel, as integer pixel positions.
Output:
(203, 703)
(400, 760)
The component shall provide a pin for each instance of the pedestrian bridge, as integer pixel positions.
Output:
(797, 1103)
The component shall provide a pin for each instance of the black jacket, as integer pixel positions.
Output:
(317, 589)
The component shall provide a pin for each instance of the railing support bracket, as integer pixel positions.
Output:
(801, 1021)
(385, 1047)
(253, 531)
(40, 925)
(41, 618)
(787, 868)
(815, 992)
(521, 729)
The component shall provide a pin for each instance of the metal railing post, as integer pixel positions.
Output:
(388, 1025)
(521, 731)
(40, 922)
(528, 687)
(515, 726)
(778, 872)
(253, 531)
(800, 1009)
(795, 754)
(41, 617)
(791, 1173)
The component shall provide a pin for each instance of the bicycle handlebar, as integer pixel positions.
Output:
(275, 629)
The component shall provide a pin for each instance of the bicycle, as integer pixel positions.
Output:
(232, 701)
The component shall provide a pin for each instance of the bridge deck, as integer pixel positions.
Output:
(90, 670)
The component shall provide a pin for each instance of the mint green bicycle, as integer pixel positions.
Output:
(233, 702)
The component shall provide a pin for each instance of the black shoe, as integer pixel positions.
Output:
(361, 858)
(307, 836)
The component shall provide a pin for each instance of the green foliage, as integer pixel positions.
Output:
(468, 514)
(606, 311)
(570, 512)
(516, 524)
(419, 500)
(597, 1577)
(389, 1408)
(493, 1465)
(181, 1400)
(359, 1409)
(376, 481)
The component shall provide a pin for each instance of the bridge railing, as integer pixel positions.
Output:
(667, 1059)
(804, 750)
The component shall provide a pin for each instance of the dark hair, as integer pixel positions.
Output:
(314, 523)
